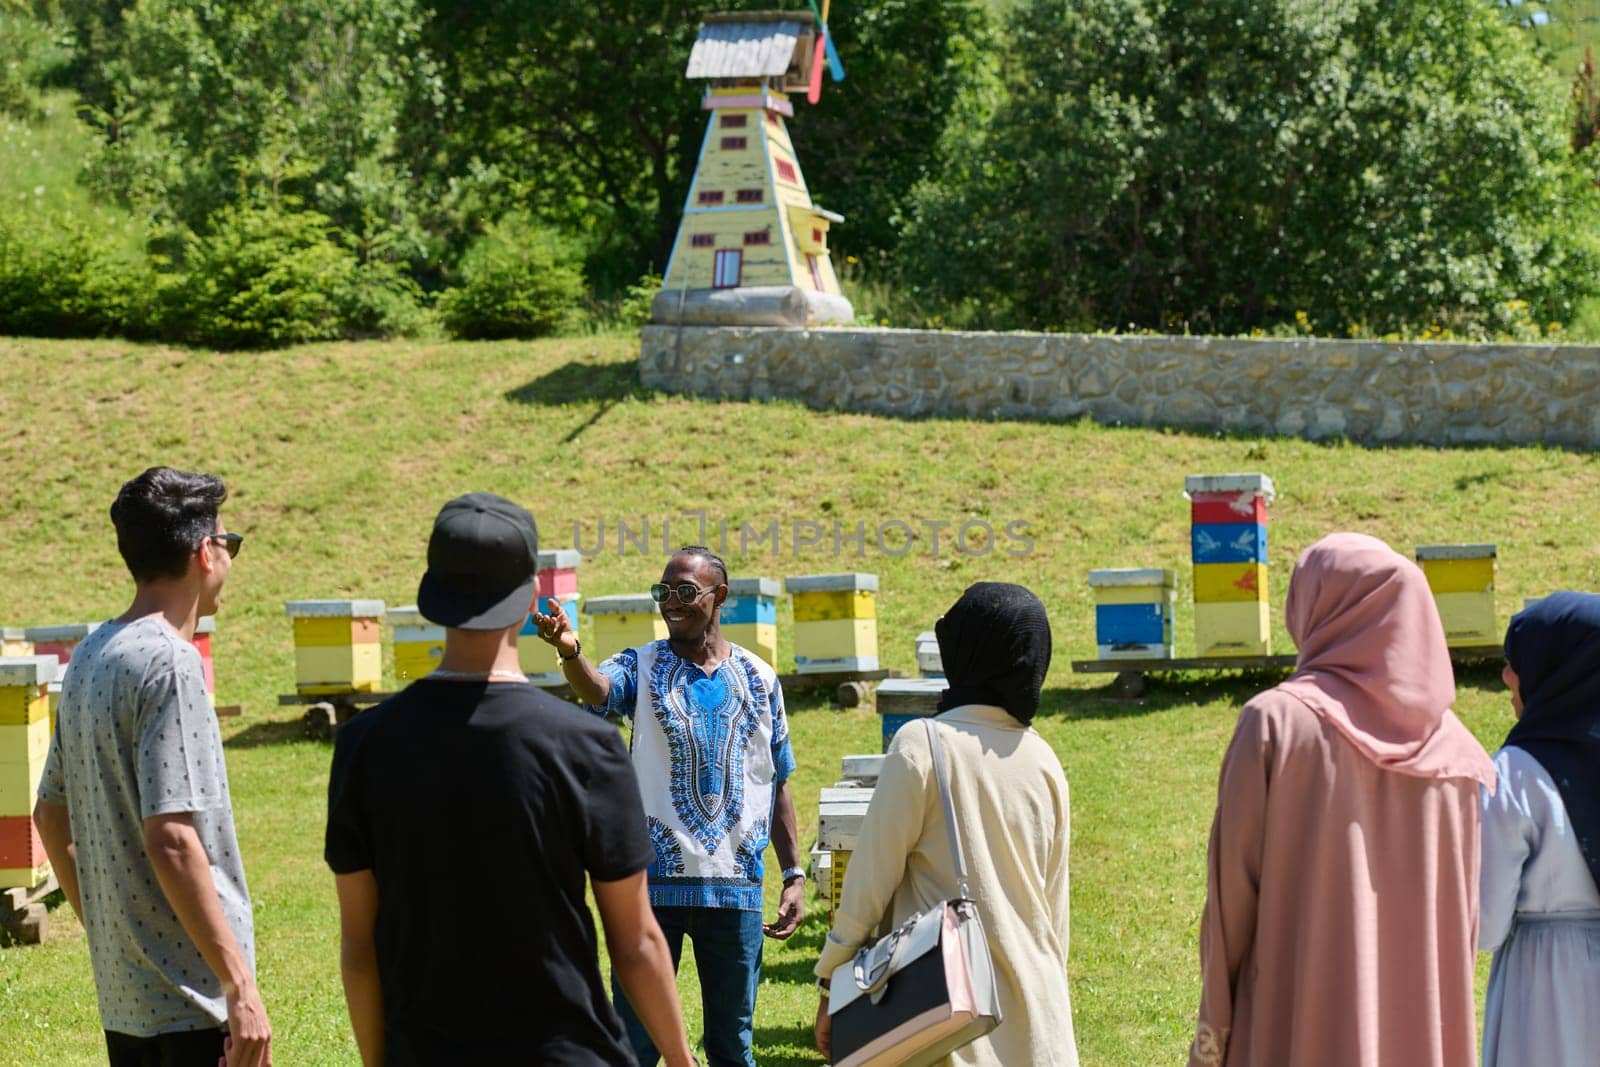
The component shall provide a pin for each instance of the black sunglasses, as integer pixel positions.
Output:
(687, 592)
(232, 541)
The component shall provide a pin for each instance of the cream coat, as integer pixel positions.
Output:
(1010, 798)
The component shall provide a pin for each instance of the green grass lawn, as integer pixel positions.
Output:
(339, 455)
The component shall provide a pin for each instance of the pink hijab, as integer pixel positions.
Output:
(1373, 661)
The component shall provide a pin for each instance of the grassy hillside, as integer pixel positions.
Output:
(338, 456)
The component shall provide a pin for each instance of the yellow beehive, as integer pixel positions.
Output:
(24, 743)
(1232, 628)
(750, 616)
(24, 681)
(418, 643)
(337, 645)
(838, 863)
(1462, 580)
(835, 622)
(14, 641)
(622, 622)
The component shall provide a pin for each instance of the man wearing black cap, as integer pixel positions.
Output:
(473, 779)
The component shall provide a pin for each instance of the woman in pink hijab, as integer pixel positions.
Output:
(1342, 874)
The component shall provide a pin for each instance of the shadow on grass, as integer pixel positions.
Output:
(605, 384)
(1171, 690)
(786, 1046)
(791, 961)
(1164, 691)
(582, 383)
(276, 732)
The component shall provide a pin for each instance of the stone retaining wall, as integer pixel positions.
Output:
(1367, 391)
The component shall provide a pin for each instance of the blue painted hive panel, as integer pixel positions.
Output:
(1132, 624)
(1228, 542)
(747, 609)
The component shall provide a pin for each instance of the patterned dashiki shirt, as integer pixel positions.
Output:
(710, 753)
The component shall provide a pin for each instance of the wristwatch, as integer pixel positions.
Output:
(790, 873)
(577, 650)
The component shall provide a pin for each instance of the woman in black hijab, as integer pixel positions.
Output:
(1540, 883)
(1009, 795)
(995, 644)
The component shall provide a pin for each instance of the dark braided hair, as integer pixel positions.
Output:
(702, 552)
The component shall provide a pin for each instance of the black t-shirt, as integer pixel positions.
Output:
(479, 808)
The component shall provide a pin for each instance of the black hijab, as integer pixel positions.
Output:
(995, 644)
(1554, 646)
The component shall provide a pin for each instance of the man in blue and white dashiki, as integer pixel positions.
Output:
(711, 750)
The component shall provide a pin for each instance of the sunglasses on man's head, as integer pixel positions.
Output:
(687, 591)
(231, 541)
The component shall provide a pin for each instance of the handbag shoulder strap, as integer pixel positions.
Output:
(936, 750)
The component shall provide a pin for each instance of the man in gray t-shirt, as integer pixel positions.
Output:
(134, 810)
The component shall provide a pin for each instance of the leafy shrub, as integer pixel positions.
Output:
(264, 276)
(62, 278)
(633, 308)
(517, 280)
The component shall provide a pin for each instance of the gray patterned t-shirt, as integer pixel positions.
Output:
(135, 737)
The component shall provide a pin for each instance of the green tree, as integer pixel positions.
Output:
(200, 102)
(1222, 166)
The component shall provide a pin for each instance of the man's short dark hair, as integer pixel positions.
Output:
(161, 517)
(702, 552)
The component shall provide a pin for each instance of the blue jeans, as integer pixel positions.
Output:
(727, 953)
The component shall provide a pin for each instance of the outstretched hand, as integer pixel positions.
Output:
(555, 630)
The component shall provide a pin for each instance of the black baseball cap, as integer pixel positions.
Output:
(482, 562)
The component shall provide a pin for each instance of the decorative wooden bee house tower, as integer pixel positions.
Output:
(753, 248)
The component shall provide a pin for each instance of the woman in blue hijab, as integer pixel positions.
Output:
(1540, 880)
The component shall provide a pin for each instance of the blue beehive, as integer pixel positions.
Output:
(1133, 612)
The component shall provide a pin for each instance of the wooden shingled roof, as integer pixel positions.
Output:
(752, 44)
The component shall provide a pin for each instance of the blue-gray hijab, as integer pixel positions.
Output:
(1554, 646)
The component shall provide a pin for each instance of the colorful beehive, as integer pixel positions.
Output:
(750, 616)
(204, 628)
(59, 641)
(1133, 610)
(901, 700)
(24, 742)
(930, 663)
(627, 621)
(835, 622)
(418, 643)
(557, 584)
(337, 645)
(1462, 580)
(1228, 542)
(14, 641)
